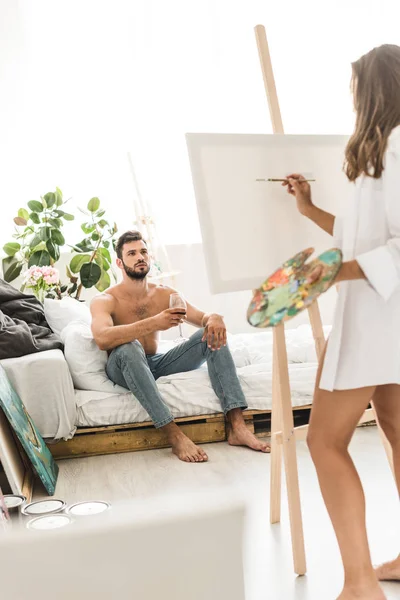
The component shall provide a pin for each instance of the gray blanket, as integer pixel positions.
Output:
(23, 327)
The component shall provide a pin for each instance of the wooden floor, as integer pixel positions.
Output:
(242, 473)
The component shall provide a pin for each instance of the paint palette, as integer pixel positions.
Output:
(287, 293)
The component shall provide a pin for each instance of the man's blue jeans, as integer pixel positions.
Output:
(130, 367)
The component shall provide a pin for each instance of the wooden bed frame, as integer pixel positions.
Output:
(112, 439)
(132, 437)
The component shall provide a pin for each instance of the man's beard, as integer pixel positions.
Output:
(133, 274)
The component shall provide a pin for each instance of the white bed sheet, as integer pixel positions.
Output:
(191, 394)
(44, 384)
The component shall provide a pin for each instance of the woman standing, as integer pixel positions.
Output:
(362, 357)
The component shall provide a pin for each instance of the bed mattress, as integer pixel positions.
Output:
(191, 394)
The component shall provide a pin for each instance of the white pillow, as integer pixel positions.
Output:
(86, 362)
(60, 313)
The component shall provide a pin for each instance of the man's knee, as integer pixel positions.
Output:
(129, 350)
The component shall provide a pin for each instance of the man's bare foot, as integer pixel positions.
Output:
(182, 446)
(186, 450)
(366, 593)
(241, 436)
(389, 571)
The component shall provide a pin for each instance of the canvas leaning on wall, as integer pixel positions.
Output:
(31, 441)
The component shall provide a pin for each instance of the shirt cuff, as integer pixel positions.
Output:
(380, 270)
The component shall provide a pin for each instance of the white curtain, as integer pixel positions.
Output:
(84, 81)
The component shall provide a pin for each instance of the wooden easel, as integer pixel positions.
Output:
(283, 432)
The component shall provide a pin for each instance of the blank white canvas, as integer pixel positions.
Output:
(249, 228)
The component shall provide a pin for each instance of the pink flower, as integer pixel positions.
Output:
(42, 277)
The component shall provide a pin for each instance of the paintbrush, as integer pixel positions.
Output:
(282, 180)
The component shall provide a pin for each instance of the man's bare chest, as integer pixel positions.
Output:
(132, 311)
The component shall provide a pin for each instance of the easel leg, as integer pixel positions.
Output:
(282, 414)
(317, 329)
(276, 447)
(289, 451)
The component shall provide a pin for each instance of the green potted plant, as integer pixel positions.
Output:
(38, 236)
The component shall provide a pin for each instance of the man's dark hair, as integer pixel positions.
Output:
(125, 238)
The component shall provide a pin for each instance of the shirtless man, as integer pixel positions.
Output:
(126, 321)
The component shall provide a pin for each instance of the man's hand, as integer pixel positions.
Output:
(169, 318)
(215, 332)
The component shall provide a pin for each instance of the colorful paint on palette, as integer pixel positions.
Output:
(286, 292)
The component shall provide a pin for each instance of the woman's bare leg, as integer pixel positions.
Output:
(387, 406)
(334, 417)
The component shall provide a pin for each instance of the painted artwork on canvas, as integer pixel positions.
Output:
(28, 435)
(286, 292)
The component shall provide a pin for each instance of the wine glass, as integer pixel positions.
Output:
(178, 301)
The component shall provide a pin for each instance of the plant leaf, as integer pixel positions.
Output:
(50, 199)
(34, 217)
(75, 248)
(68, 217)
(44, 233)
(59, 213)
(41, 258)
(100, 213)
(102, 223)
(77, 262)
(57, 237)
(90, 274)
(104, 282)
(88, 227)
(51, 249)
(85, 245)
(102, 261)
(35, 241)
(93, 206)
(23, 213)
(105, 253)
(11, 248)
(57, 223)
(35, 206)
(95, 236)
(59, 197)
(20, 221)
(106, 244)
(11, 268)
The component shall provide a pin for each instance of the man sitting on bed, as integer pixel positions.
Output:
(126, 320)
